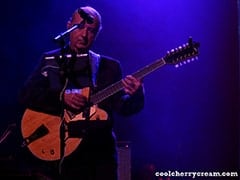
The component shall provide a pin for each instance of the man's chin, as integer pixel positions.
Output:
(81, 48)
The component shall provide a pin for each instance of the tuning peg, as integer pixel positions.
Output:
(178, 65)
(194, 58)
(180, 48)
(190, 41)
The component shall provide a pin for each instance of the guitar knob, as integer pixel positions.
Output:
(52, 152)
(43, 152)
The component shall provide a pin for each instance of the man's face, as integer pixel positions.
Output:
(82, 38)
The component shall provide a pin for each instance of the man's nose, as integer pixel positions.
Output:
(84, 31)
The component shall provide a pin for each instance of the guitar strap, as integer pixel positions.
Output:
(94, 62)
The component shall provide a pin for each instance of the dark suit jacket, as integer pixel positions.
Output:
(42, 90)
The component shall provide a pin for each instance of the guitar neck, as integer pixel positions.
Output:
(177, 55)
(116, 87)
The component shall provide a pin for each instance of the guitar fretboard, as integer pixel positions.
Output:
(116, 87)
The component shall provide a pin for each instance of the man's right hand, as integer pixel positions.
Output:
(75, 101)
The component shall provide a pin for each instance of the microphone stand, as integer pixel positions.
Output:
(60, 40)
(7, 132)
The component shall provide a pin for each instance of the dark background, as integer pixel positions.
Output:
(190, 120)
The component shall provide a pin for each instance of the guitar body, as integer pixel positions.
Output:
(41, 133)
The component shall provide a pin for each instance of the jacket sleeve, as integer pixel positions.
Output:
(125, 104)
(41, 91)
(132, 104)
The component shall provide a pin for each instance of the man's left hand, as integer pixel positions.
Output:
(131, 84)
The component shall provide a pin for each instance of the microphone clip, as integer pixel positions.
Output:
(88, 18)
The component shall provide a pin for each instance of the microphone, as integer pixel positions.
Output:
(85, 16)
(64, 34)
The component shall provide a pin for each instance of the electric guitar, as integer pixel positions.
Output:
(41, 131)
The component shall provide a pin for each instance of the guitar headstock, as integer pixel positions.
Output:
(183, 54)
